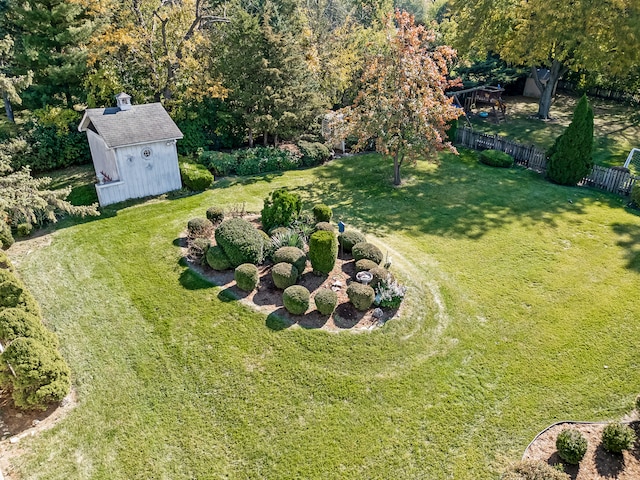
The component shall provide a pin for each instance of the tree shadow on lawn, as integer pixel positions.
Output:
(459, 198)
(629, 239)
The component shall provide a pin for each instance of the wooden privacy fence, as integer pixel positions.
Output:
(615, 180)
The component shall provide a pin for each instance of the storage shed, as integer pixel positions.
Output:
(133, 148)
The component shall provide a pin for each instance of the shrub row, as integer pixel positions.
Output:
(257, 160)
(30, 366)
(496, 158)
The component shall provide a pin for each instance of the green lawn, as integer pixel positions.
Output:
(521, 293)
(616, 126)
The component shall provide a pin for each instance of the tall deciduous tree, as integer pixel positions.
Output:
(570, 157)
(559, 35)
(402, 103)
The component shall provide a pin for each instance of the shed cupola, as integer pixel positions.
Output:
(123, 101)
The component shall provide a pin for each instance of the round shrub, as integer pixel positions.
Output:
(199, 227)
(24, 229)
(15, 322)
(313, 153)
(326, 301)
(296, 299)
(350, 238)
(322, 213)
(6, 238)
(323, 251)
(361, 296)
(496, 158)
(326, 226)
(5, 263)
(533, 470)
(217, 259)
(42, 376)
(571, 446)
(284, 275)
(617, 437)
(380, 274)
(279, 231)
(241, 242)
(367, 250)
(246, 277)
(280, 209)
(365, 265)
(215, 215)
(292, 255)
(198, 248)
(195, 177)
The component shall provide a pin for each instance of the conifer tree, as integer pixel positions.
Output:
(570, 157)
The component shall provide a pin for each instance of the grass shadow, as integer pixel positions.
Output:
(571, 470)
(278, 320)
(190, 280)
(629, 239)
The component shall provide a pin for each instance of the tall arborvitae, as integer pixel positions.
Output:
(570, 157)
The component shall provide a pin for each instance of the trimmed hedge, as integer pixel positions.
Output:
(313, 153)
(349, 238)
(365, 265)
(215, 215)
(322, 213)
(367, 250)
(217, 259)
(198, 248)
(15, 323)
(281, 208)
(571, 446)
(13, 293)
(496, 158)
(361, 296)
(292, 255)
(284, 275)
(42, 376)
(326, 301)
(296, 299)
(323, 251)
(199, 227)
(240, 241)
(195, 177)
(246, 277)
(326, 226)
(617, 437)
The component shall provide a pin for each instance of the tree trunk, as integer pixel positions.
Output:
(250, 138)
(7, 107)
(396, 170)
(275, 140)
(265, 140)
(556, 72)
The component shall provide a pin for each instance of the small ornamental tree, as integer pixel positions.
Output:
(402, 103)
(570, 157)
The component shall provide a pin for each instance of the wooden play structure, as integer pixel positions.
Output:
(470, 98)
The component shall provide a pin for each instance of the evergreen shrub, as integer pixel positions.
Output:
(324, 226)
(323, 251)
(15, 322)
(6, 238)
(292, 255)
(281, 208)
(571, 446)
(380, 274)
(313, 153)
(195, 177)
(217, 259)
(367, 250)
(199, 228)
(198, 248)
(496, 158)
(241, 241)
(5, 263)
(13, 293)
(246, 277)
(326, 301)
(617, 437)
(296, 299)
(361, 296)
(219, 163)
(322, 213)
(349, 238)
(284, 275)
(215, 215)
(24, 229)
(365, 265)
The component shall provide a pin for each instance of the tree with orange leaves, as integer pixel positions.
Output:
(402, 104)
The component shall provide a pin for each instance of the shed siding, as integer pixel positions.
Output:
(103, 159)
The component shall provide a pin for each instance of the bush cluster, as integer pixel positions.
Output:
(322, 213)
(367, 250)
(38, 374)
(496, 158)
(240, 241)
(283, 238)
(293, 255)
(215, 215)
(350, 238)
(534, 470)
(571, 446)
(313, 153)
(284, 275)
(323, 251)
(281, 208)
(326, 301)
(617, 437)
(246, 277)
(296, 299)
(361, 296)
(24, 229)
(195, 177)
(217, 259)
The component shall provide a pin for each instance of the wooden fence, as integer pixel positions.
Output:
(615, 180)
(601, 92)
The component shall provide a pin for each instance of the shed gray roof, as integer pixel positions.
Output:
(141, 124)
